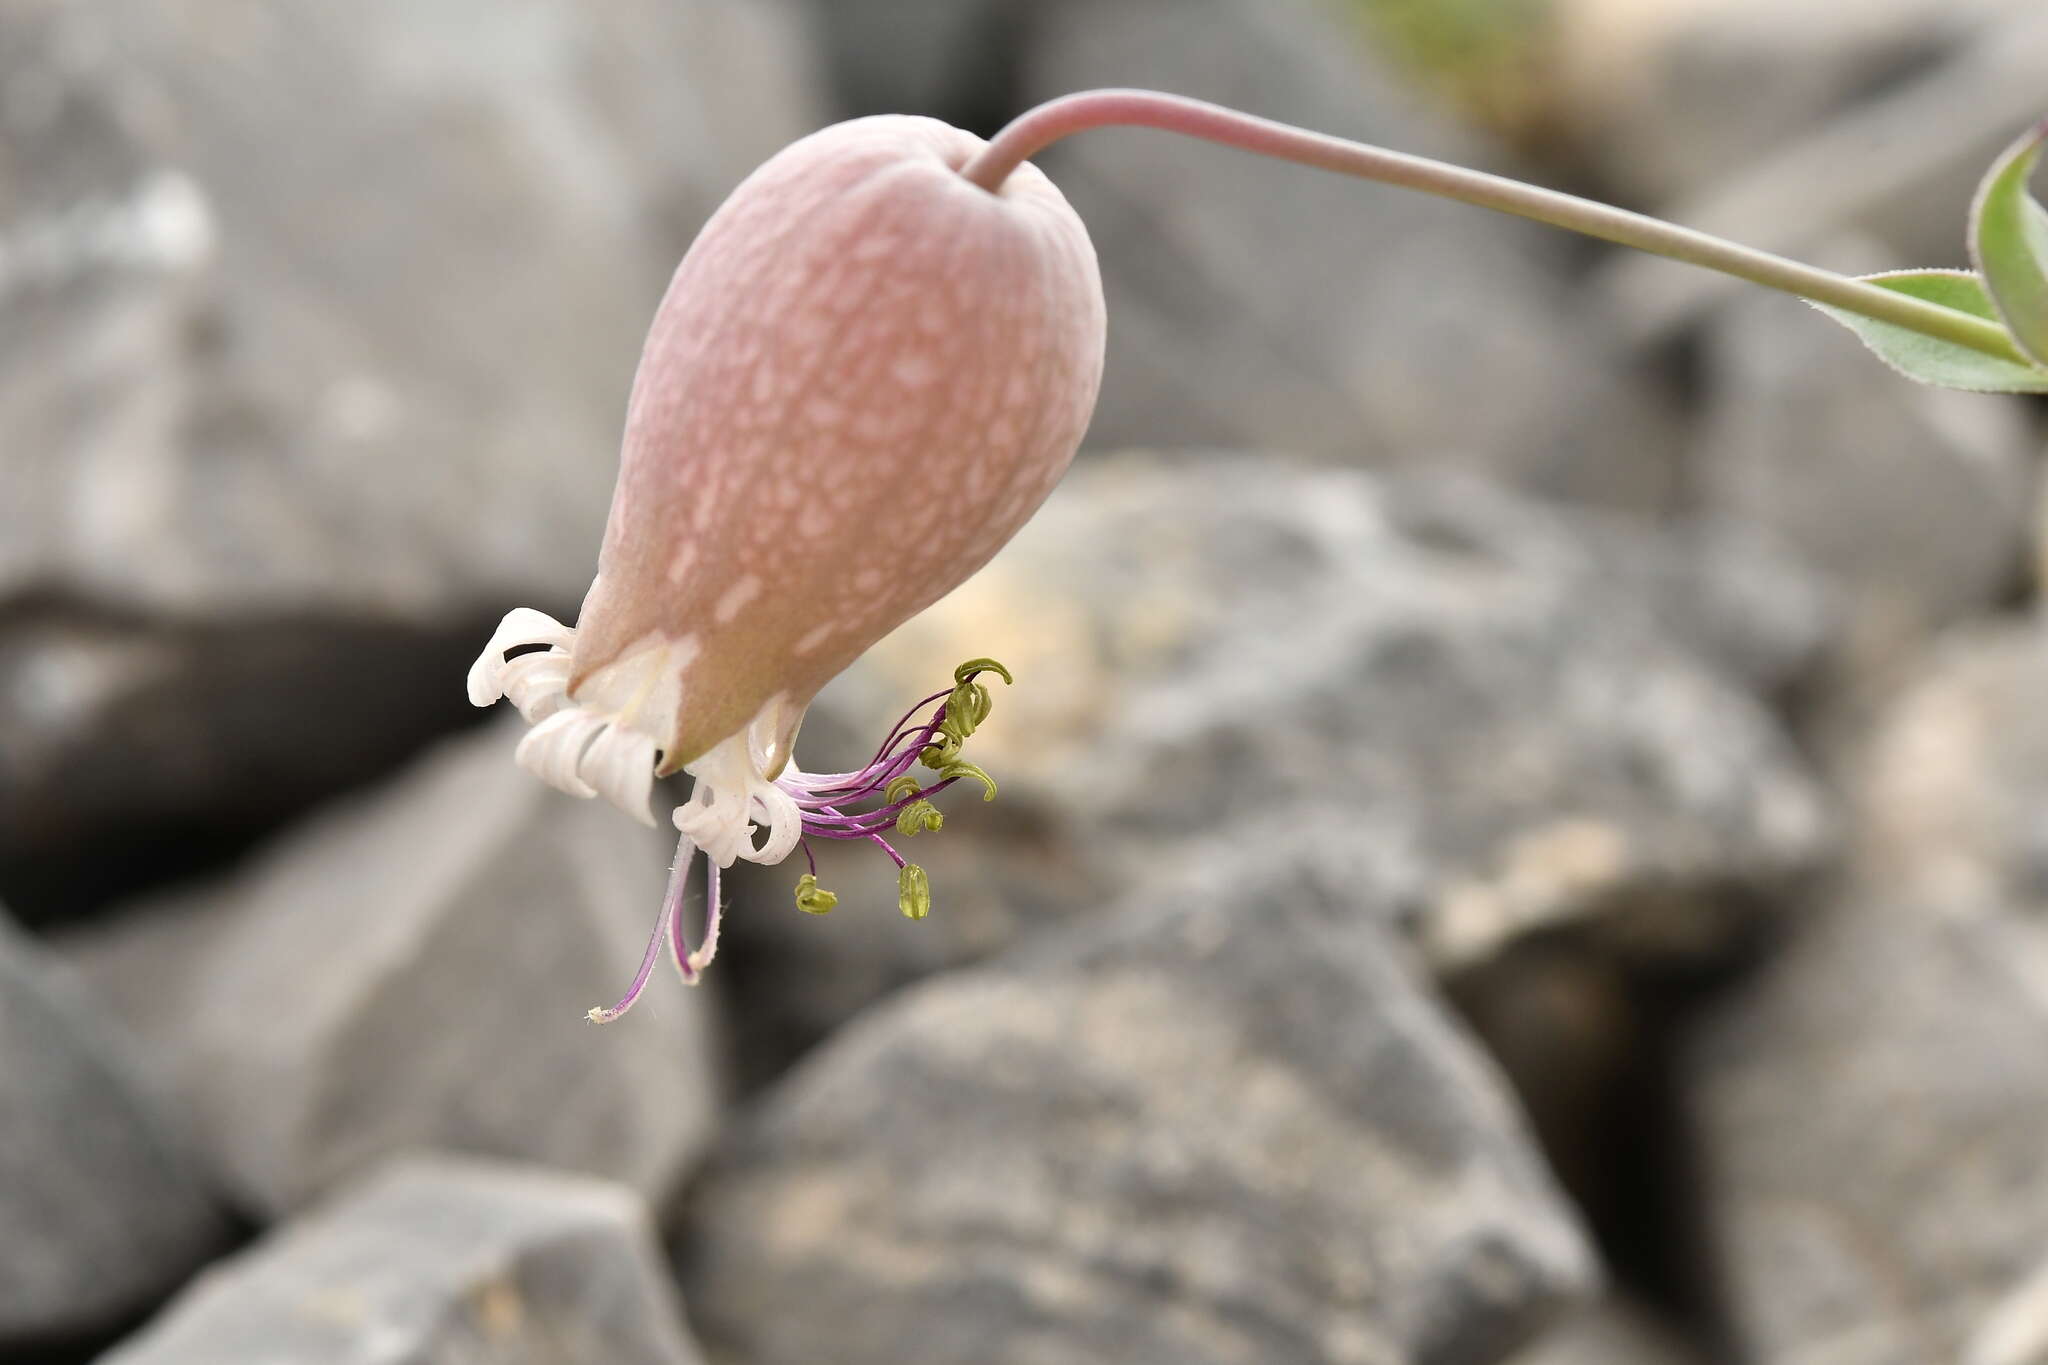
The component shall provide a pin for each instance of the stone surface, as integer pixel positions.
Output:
(313, 310)
(1912, 504)
(1951, 797)
(103, 1206)
(1483, 710)
(1259, 304)
(1219, 1124)
(1722, 588)
(1871, 1108)
(437, 1260)
(409, 969)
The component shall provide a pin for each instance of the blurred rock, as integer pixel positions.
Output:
(438, 1260)
(1912, 504)
(409, 970)
(1610, 1334)
(1871, 1116)
(2015, 1332)
(1262, 305)
(1218, 1124)
(953, 59)
(1871, 1109)
(1573, 1035)
(319, 310)
(1430, 688)
(1953, 798)
(135, 751)
(1672, 96)
(1724, 589)
(102, 1206)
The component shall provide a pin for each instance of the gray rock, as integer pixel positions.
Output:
(1951, 795)
(1871, 1109)
(1471, 705)
(103, 1206)
(1912, 504)
(1220, 1125)
(1870, 1117)
(409, 970)
(1262, 305)
(438, 1260)
(309, 310)
(1727, 589)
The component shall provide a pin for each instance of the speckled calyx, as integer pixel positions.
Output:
(866, 374)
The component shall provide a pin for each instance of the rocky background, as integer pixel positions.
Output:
(1523, 837)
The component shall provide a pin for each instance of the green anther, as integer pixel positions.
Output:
(959, 723)
(902, 789)
(967, 708)
(919, 817)
(811, 898)
(913, 892)
(962, 768)
(973, 666)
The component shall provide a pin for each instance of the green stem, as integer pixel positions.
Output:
(1032, 132)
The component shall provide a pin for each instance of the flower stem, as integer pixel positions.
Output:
(1032, 132)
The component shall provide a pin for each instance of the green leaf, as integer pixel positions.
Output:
(2009, 243)
(1931, 361)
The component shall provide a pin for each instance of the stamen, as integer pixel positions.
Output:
(733, 795)
(913, 891)
(811, 898)
(959, 768)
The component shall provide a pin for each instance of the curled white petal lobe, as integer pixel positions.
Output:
(620, 764)
(538, 684)
(599, 743)
(731, 798)
(553, 750)
(586, 755)
(522, 626)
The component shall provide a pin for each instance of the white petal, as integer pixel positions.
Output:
(553, 750)
(538, 684)
(732, 795)
(521, 626)
(779, 811)
(620, 765)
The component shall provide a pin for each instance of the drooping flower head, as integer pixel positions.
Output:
(866, 374)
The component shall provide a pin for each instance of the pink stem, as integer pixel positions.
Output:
(1033, 131)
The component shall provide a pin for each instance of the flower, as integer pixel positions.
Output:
(866, 374)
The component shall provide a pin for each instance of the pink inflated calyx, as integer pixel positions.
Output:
(866, 374)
